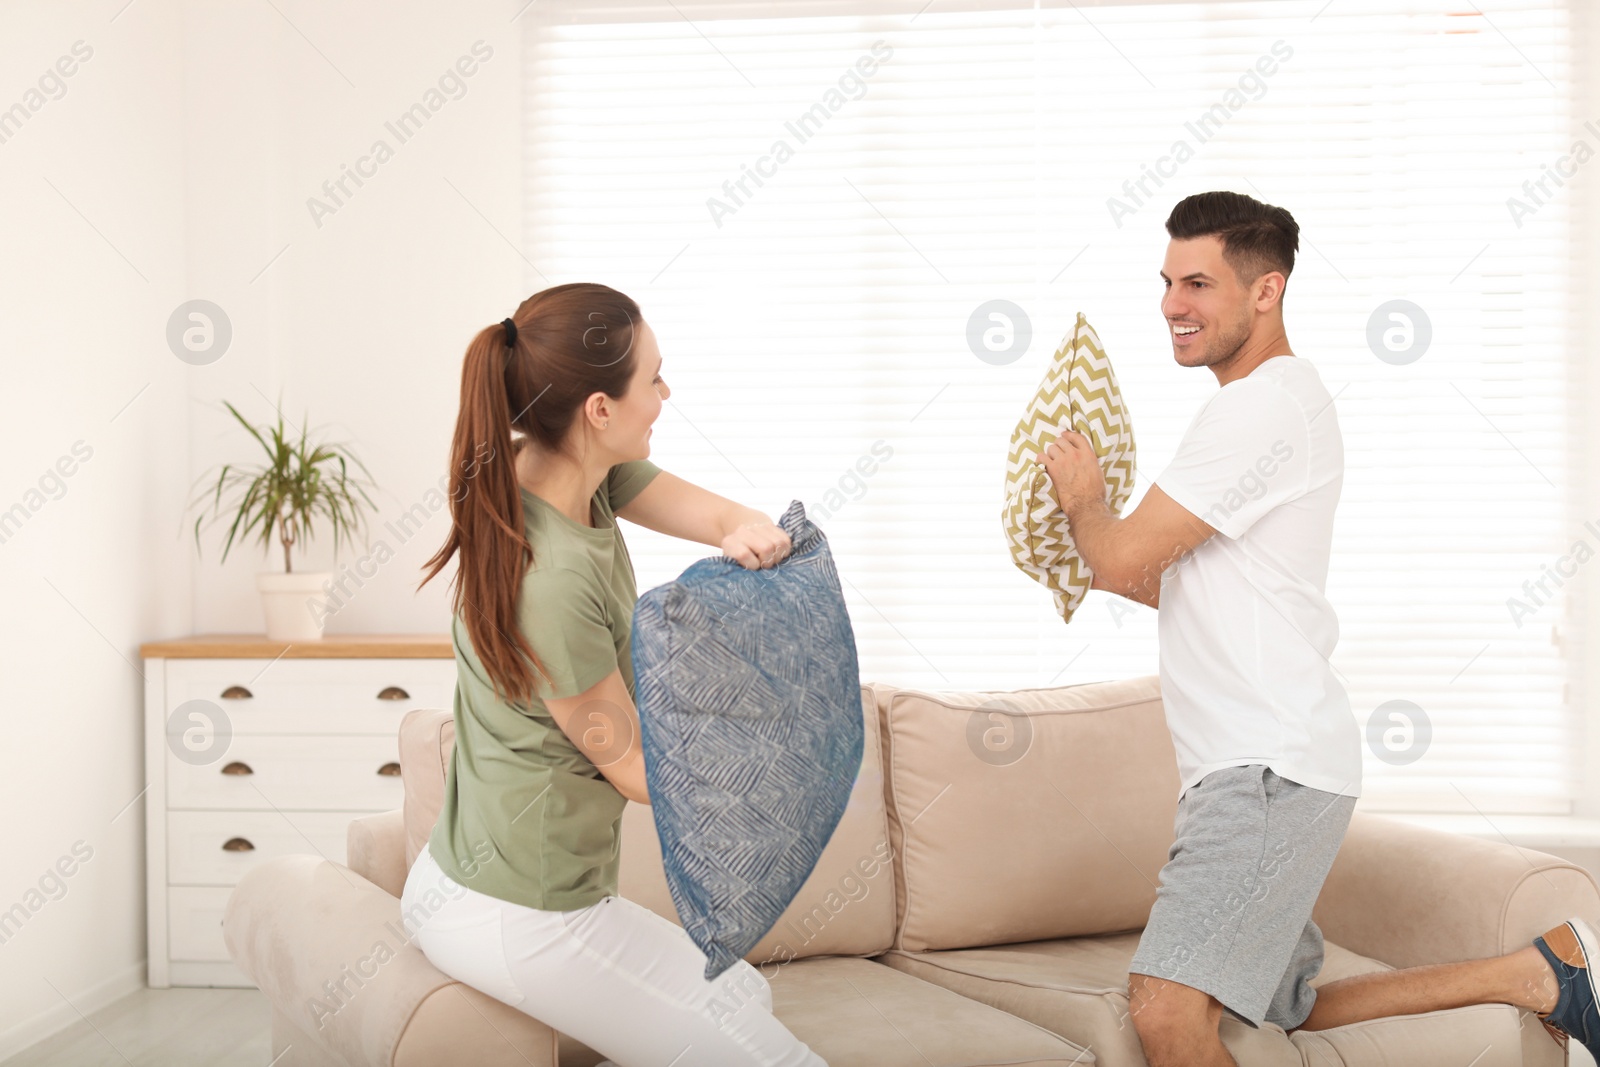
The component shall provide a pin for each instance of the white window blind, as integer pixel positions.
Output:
(814, 323)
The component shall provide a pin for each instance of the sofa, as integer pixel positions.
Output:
(978, 904)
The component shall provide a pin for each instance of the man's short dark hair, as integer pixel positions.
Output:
(1256, 237)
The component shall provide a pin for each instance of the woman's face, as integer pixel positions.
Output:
(632, 416)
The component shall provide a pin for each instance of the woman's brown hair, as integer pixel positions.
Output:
(572, 341)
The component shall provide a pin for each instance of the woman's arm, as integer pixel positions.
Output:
(603, 721)
(678, 508)
(604, 725)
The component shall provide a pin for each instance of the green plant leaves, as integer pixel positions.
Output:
(299, 482)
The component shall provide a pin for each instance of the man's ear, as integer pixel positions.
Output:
(1269, 289)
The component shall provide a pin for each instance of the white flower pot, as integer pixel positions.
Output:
(294, 604)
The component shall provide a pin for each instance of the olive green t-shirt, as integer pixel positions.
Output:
(526, 816)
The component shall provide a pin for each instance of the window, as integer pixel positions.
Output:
(810, 200)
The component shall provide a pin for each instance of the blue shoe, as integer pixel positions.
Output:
(1573, 950)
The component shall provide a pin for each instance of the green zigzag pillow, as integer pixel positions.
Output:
(1079, 391)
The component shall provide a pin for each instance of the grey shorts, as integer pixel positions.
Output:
(1232, 916)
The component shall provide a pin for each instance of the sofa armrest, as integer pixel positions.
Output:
(375, 848)
(1408, 896)
(328, 949)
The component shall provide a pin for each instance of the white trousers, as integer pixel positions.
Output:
(615, 975)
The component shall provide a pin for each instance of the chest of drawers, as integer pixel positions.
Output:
(256, 749)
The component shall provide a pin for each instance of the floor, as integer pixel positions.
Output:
(164, 1028)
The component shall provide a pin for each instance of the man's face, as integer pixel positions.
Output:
(1208, 311)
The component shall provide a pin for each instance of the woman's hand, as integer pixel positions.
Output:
(757, 545)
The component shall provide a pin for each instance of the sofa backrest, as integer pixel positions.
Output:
(978, 818)
(427, 737)
(1026, 815)
(846, 907)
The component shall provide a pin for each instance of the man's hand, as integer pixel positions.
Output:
(1126, 555)
(1074, 470)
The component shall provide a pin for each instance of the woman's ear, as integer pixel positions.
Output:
(597, 409)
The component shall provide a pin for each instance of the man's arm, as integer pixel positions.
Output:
(1127, 555)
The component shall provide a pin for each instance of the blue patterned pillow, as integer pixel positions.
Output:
(749, 697)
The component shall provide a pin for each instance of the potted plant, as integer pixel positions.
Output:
(278, 501)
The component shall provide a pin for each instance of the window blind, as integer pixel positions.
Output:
(810, 201)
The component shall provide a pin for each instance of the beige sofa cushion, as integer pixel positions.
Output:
(1027, 815)
(846, 907)
(1079, 988)
(855, 1013)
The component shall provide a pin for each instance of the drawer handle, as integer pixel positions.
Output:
(237, 844)
(237, 768)
(390, 770)
(394, 692)
(237, 692)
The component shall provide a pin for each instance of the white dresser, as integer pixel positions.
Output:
(256, 749)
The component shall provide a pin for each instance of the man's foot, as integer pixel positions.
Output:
(1573, 951)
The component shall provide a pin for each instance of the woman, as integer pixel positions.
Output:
(515, 894)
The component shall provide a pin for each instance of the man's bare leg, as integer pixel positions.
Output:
(1177, 1024)
(1522, 979)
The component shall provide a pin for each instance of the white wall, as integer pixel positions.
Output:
(176, 166)
(363, 320)
(93, 189)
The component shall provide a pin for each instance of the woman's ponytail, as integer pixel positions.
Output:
(486, 519)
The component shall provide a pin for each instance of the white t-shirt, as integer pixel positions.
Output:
(1245, 627)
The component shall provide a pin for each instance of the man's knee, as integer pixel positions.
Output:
(1171, 1016)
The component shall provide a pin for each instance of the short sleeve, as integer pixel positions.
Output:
(564, 619)
(627, 480)
(1247, 452)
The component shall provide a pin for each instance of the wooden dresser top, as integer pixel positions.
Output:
(332, 646)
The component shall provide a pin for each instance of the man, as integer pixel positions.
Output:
(1231, 545)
